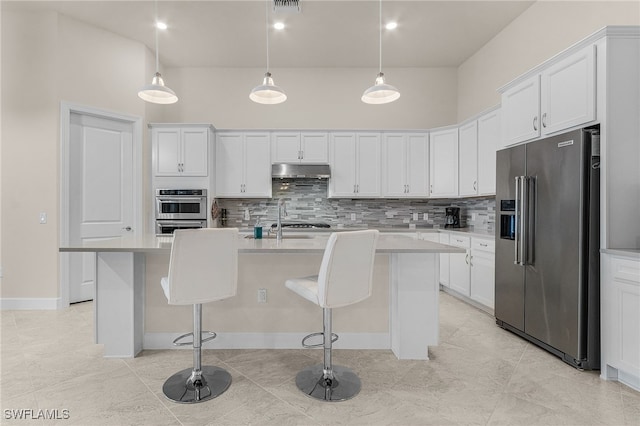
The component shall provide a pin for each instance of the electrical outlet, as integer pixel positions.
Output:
(353, 216)
(473, 217)
(246, 214)
(262, 295)
(425, 216)
(415, 216)
(43, 218)
(405, 220)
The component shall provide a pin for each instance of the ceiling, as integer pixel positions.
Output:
(326, 33)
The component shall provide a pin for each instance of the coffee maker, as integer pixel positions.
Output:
(452, 217)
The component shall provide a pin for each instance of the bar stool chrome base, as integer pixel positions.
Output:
(345, 384)
(211, 382)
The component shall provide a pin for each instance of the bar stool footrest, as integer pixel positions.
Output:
(334, 338)
(176, 341)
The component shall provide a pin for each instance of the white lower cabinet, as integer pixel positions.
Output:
(444, 261)
(470, 274)
(483, 275)
(459, 266)
(620, 319)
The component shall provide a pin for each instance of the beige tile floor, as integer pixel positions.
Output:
(479, 374)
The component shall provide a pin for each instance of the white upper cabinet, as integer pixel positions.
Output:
(355, 165)
(468, 159)
(559, 97)
(243, 168)
(180, 150)
(521, 112)
(488, 140)
(300, 147)
(443, 163)
(568, 92)
(404, 165)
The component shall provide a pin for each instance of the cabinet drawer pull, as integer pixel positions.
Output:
(484, 245)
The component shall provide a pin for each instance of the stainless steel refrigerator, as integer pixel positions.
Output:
(547, 245)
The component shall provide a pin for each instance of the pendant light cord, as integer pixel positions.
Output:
(266, 14)
(156, 28)
(380, 45)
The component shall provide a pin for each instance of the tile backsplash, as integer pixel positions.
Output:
(306, 201)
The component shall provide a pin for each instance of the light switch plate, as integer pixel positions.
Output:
(425, 216)
(43, 218)
(415, 216)
(353, 216)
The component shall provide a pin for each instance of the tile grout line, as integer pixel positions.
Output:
(162, 402)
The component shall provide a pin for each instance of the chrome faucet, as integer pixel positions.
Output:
(282, 210)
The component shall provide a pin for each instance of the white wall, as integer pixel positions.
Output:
(325, 98)
(543, 30)
(47, 58)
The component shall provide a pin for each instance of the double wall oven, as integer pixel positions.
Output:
(180, 209)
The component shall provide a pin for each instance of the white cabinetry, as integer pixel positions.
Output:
(443, 163)
(621, 319)
(444, 261)
(556, 98)
(355, 165)
(404, 165)
(468, 159)
(243, 166)
(300, 147)
(488, 142)
(180, 150)
(459, 265)
(483, 271)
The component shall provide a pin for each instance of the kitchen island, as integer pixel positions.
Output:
(132, 314)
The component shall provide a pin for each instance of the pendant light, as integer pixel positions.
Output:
(157, 92)
(380, 92)
(267, 93)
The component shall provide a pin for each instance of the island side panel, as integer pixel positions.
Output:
(119, 303)
(414, 294)
(242, 322)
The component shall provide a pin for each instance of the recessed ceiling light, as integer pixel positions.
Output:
(278, 26)
(161, 25)
(391, 25)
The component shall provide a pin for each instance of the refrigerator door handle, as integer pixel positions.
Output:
(524, 218)
(532, 195)
(516, 259)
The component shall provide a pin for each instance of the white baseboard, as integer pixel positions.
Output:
(29, 304)
(269, 341)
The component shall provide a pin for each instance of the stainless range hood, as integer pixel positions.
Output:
(293, 170)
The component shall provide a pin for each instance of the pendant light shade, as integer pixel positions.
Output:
(380, 92)
(267, 93)
(157, 92)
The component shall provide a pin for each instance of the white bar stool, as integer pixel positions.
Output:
(345, 278)
(203, 268)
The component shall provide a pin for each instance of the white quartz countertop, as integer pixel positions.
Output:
(630, 253)
(484, 233)
(313, 244)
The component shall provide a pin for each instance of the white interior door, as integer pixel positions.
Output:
(101, 201)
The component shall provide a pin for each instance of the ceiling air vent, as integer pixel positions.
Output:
(286, 6)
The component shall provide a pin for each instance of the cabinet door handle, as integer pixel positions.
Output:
(466, 259)
(544, 120)
(431, 189)
(358, 187)
(354, 188)
(484, 245)
(535, 123)
(474, 185)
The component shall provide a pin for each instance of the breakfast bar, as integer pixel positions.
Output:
(130, 314)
